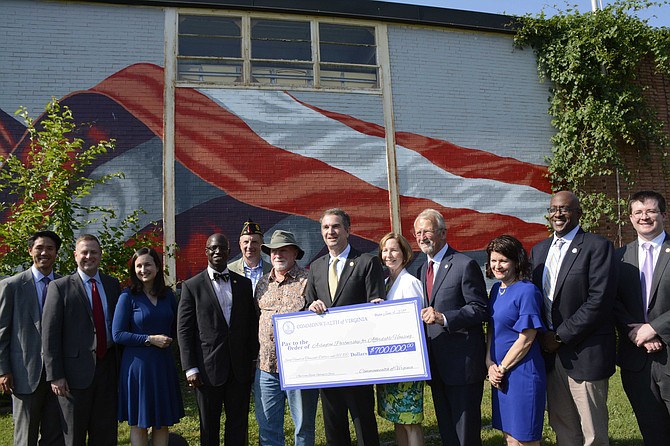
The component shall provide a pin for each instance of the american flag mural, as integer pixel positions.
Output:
(271, 156)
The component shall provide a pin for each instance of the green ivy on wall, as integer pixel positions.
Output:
(592, 60)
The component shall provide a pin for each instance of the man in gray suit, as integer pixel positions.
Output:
(80, 358)
(22, 372)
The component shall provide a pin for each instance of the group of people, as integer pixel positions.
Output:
(79, 354)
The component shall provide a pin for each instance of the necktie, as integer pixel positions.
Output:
(46, 281)
(332, 278)
(551, 272)
(646, 276)
(430, 278)
(99, 321)
(224, 276)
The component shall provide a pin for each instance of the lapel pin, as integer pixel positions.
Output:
(446, 266)
(667, 249)
(574, 250)
(351, 263)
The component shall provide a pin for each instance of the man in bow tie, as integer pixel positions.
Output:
(217, 330)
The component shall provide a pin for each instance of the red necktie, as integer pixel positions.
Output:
(99, 320)
(429, 281)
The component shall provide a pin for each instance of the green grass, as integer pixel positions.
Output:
(623, 428)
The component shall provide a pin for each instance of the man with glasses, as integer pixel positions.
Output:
(573, 268)
(642, 313)
(455, 308)
(217, 330)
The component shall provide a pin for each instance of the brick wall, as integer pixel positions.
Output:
(650, 170)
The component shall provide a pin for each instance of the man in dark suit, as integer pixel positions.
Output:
(455, 308)
(342, 277)
(642, 313)
(80, 358)
(574, 270)
(217, 330)
(22, 372)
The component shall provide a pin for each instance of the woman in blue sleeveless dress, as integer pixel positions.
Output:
(514, 359)
(144, 321)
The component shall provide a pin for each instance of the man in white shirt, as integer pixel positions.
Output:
(642, 313)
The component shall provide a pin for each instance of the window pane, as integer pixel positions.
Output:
(361, 35)
(210, 46)
(342, 76)
(215, 71)
(280, 40)
(209, 36)
(364, 55)
(209, 25)
(277, 73)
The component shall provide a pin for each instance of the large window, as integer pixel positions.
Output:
(254, 50)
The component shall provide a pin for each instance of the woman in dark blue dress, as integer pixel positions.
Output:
(514, 360)
(144, 320)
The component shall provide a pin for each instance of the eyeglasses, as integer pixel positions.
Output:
(215, 248)
(560, 210)
(652, 213)
(426, 232)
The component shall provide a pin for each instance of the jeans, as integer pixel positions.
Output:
(270, 403)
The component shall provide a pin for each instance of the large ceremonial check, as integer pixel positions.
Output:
(352, 345)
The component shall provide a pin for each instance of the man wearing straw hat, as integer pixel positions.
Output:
(280, 291)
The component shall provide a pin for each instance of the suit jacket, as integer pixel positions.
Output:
(238, 266)
(68, 330)
(457, 352)
(628, 308)
(21, 331)
(361, 281)
(205, 339)
(581, 311)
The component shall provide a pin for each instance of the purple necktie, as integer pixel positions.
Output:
(646, 275)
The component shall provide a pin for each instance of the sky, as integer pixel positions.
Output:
(521, 7)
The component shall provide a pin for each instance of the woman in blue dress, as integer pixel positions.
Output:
(401, 403)
(144, 320)
(514, 359)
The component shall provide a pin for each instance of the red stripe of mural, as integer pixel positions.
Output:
(290, 183)
(467, 163)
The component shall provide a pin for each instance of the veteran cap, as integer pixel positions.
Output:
(250, 228)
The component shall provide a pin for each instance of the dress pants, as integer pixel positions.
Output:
(233, 397)
(648, 391)
(458, 412)
(92, 410)
(37, 415)
(577, 409)
(360, 402)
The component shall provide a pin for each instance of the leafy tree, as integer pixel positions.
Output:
(43, 188)
(597, 104)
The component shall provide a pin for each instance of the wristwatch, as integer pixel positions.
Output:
(147, 342)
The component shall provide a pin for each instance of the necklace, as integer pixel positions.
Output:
(502, 290)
